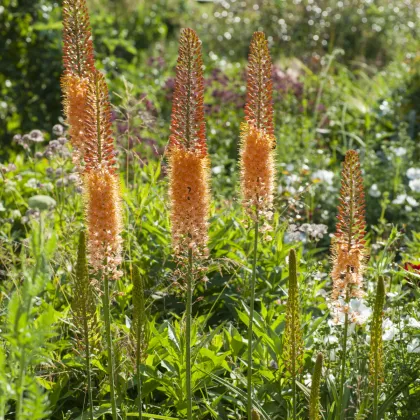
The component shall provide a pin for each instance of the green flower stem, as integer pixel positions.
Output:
(251, 320)
(111, 370)
(344, 356)
(188, 333)
(294, 397)
(88, 370)
(138, 370)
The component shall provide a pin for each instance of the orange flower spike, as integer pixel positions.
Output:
(102, 188)
(98, 141)
(78, 60)
(103, 216)
(189, 188)
(257, 169)
(257, 133)
(348, 248)
(188, 127)
(259, 99)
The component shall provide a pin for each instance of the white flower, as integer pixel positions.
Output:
(389, 330)
(330, 339)
(323, 176)
(217, 170)
(413, 173)
(307, 380)
(412, 201)
(400, 199)
(414, 346)
(359, 312)
(374, 191)
(412, 322)
(399, 151)
(414, 184)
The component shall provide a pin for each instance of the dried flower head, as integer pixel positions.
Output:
(257, 133)
(103, 216)
(348, 247)
(189, 188)
(259, 100)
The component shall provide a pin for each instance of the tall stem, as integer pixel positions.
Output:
(89, 379)
(138, 370)
(294, 397)
(344, 356)
(251, 319)
(188, 333)
(111, 374)
(375, 399)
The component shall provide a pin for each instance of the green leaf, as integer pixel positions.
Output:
(41, 202)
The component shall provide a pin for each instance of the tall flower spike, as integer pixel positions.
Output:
(293, 345)
(78, 60)
(257, 132)
(188, 159)
(259, 101)
(99, 143)
(348, 247)
(102, 188)
(314, 404)
(188, 129)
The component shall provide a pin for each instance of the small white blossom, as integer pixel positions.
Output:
(414, 346)
(400, 199)
(412, 201)
(412, 322)
(389, 330)
(414, 184)
(399, 151)
(413, 173)
(374, 191)
(323, 175)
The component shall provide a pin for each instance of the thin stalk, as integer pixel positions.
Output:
(344, 356)
(19, 388)
(138, 370)
(89, 378)
(294, 397)
(188, 333)
(106, 303)
(28, 308)
(251, 319)
(375, 397)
